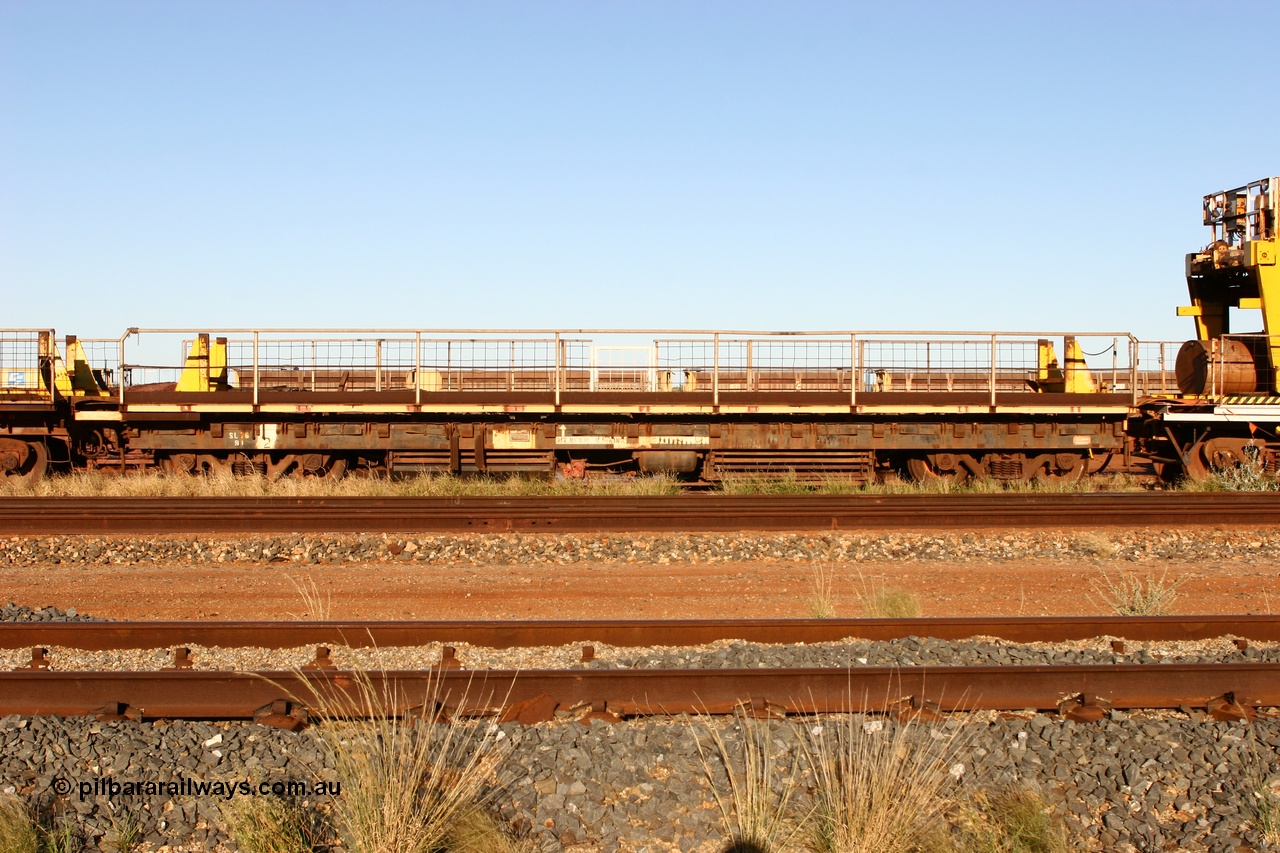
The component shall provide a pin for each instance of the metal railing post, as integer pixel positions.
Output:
(417, 368)
(993, 371)
(854, 373)
(255, 369)
(1115, 363)
(120, 366)
(715, 369)
(1133, 370)
(559, 365)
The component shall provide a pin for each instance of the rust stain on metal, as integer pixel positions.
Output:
(536, 695)
(96, 636)
(683, 513)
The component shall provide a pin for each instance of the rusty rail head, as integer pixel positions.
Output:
(538, 694)
(528, 633)
(682, 513)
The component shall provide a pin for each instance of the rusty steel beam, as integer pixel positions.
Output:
(668, 632)
(226, 695)
(683, 513)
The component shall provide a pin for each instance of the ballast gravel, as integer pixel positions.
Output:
(724, 654)
(21, 613)
(489, 549)
(1132, 783)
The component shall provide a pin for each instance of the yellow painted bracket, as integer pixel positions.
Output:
(81, 378)
(206, 366)
(1049, 378)
(1262, 253)
(1078, 378)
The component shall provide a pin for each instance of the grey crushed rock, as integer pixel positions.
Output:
(1141, 782)
(1140, 546)
(21, 613)
(723, 654)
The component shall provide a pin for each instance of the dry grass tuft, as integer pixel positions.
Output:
(823, 598)
(61, 837)
(756, 809)
(1096, 544)
(316, 606)
(362, 483)
(158, 484)
(407, 779)
(18, 830)
(1262, 790)
(1130, 595)
(477, 831)
(125, 836)
(782, 483)
(878, 786)
(882, 602)
(268, 825)
(1015, 820)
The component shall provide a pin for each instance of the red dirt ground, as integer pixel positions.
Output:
(741, 590)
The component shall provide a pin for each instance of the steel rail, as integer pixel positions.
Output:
(535, 695)
(96, 636)
(680, 513)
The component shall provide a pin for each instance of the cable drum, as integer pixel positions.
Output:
(1227, 368)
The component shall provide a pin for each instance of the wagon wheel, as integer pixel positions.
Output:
(1214, 456)
(178, 463)
(1226, 457)
(336, 468)
(307, 465)
(213, 465)
(23, 463)
(320, 465)
(1062, 469)
(948, 468)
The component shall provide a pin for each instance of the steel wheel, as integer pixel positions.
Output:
(178, 463)
(941, 468)
(307, 465)
(1062, 469)
(23, 462)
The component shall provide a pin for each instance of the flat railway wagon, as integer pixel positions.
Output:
(705, 406)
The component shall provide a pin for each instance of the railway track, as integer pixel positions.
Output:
(667, 632)
(279, 697)
(274, 697)
(680, 513)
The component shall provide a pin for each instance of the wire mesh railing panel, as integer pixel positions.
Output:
(1156, 372)
(788, 364)
(686, 364)
(629, 362)
(928, 365)
(323, 364)
(575, 365)
(496, 364)
(20, 364)
(103, 357)
(624, 368)
(1109, 362)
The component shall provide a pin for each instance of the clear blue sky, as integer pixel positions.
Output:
(787, 165)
